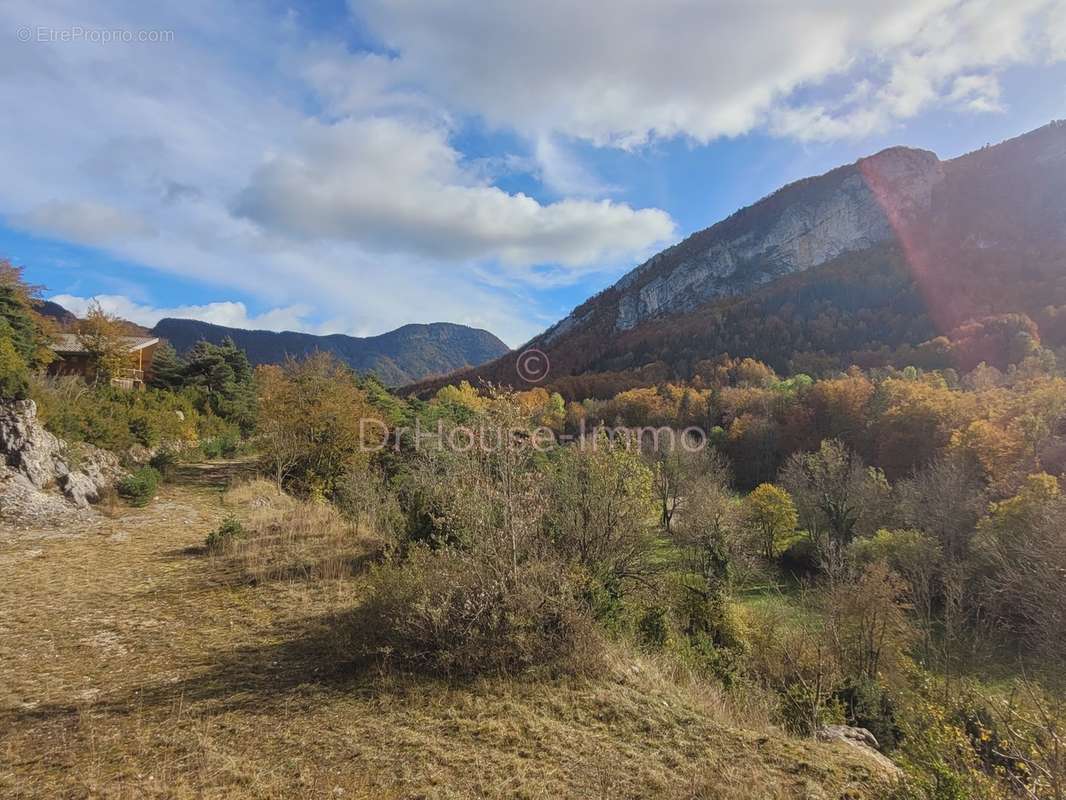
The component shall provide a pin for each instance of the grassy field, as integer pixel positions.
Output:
(135, 664)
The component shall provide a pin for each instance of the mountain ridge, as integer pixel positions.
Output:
(948, 232)
(411, 352)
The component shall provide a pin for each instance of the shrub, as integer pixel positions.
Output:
(367, 499)
(223, 446)
(225, 534)
(14, 374)
(710, 634)
(315, 423)
(139, 488)
(111, 418)
(653, 628)
(447, 613)
(803, 710)
(163, 462)
(867, 705)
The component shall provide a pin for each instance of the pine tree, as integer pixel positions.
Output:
(25, 329)
(167, 370)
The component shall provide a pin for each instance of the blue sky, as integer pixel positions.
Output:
(351, 167)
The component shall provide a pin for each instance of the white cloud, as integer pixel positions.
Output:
(86, 222)
(622, 72)
(228, 313)
(1056, 30)
(395, 187)
(564, 174)
(141, 151)
(267, 160)
(976, 92)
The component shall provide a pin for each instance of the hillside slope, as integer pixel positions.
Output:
(863, 264)
(165, 674)
(409, 353)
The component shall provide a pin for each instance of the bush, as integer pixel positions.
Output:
(112, 418)
(139, 488)
(366, 498)
(867, 705)
(803, 711)
(447, 613)
(219, 439)
(14, 374)
(653, 628)
(225, 534)
(163, 462)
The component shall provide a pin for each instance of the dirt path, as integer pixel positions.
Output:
(85, 593)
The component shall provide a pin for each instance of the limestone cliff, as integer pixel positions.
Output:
(40, 475)
(803, 225)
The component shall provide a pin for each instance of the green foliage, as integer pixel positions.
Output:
(599, 507)
(19, 323)
(653, 627)
(219, 438)
(803, 711)
(771, 515)
(14, 374)
(111, 418)
(168, 369)
(140, 487)
(225, 534)
(867, 704)
(164, 461)
(221, 379)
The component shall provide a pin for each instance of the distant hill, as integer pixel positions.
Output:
(407, 354)
(55, 312)
(897, 259)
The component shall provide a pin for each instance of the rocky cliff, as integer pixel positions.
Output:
(803, 225)
(866, 264)
(40, 475)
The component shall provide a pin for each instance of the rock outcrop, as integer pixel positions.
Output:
(41, 474)
(802, 226)
(859, 739)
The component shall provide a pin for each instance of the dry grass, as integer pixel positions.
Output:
(290, 541)
(133, 665)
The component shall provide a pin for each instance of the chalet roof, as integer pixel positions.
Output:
(70, 343)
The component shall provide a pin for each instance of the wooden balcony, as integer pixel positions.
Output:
(129, 379)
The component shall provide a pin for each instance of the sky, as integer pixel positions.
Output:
(352, 167)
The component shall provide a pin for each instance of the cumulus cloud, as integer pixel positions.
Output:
(269, 159)
(397, 187)
(228, 313)
(621, 72)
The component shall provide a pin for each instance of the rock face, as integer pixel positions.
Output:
(860, 739)
(35, 461)
(804, 225)
(943, 239)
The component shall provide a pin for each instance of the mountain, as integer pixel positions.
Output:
(66, 320)
(900, 258)
(55, 312)
(409, 353)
